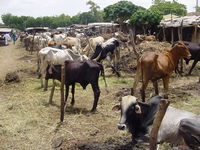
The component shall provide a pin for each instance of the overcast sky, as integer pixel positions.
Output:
(37, 8)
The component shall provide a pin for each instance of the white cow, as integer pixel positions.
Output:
(92, 43)
(48, 56)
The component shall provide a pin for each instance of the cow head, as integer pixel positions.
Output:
(183, 50)
(132, 113)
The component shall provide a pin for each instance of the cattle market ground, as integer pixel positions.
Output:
(28, 122)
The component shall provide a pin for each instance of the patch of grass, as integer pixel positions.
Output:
(191, 105)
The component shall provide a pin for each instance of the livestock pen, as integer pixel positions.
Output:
(28, 122)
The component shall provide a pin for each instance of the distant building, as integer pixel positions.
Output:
(174, 28)
(33, 30)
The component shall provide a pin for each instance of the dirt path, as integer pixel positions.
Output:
(13, 58)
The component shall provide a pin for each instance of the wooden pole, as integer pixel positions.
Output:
(133, 43)
(157, 122)
(172, 35)
(179, 33)
(52, 92)
(62, 106)
(195, 31)
(181, 38)
(164, 36)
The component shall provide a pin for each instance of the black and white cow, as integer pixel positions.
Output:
(108, 50)
(138, 117)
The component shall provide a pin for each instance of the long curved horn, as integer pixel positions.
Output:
(95, 59)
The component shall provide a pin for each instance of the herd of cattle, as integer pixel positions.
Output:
(84, 64)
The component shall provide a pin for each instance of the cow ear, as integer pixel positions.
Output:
(144, 106)
(117, 107)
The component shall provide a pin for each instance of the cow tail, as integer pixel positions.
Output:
(142, 74)
(103, 75)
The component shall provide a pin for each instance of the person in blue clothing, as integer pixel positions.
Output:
(13, 35)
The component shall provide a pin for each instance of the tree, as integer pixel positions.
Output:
(166, 8)
(93, 7)
(145, 18)
(120, 11)
(155, 2)
(95, 11)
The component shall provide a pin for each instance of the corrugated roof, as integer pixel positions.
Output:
(176, 22)
(5, 30)
(108, 24)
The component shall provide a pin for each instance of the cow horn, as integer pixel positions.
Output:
(137, 109)
(95, 59)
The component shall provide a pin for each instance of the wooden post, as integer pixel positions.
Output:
(164, 36)
(133, 43)
(52, 92)
(157, 122)
(179, 33)
(180, 39)
(195, 32)
(62, 105)
(172, 35)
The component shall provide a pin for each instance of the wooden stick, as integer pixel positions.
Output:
(133, 43)
(157, 122)
(164, 36)
(62, 106)
(52, 92)
(172, 35)
(195, 32)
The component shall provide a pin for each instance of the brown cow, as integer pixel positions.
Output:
(153, 66)
(141, 38)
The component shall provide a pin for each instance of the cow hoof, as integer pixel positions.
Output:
(93, 111)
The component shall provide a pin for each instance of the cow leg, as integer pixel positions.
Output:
(166, 86)
(41, 81)
(155, 85)
(67, 93)
(193, 65)
(144, 86)
(95, 88)
(73, 91)
(112, 65)
(45, 85)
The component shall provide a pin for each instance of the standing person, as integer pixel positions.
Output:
(14, 37)
(6, 37)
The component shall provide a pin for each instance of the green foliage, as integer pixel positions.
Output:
(93, 7)
(145, 17)
(155, 2)
(26, 21)
(166, 8)
(120, 11)
(94, 15)
(198, 9)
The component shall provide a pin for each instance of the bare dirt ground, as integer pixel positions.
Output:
(28, 122)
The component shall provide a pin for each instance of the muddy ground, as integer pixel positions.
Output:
(28, 122)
